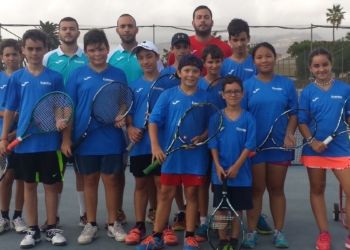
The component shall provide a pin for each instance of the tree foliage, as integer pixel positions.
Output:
(51, 30)
(334, 16)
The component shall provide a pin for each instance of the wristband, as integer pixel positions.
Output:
(310, 140)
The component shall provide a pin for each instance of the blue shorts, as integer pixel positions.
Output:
(106, 164)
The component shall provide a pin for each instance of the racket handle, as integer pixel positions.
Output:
(77, 143)
(224, 185)
(151, 167)
(251, 154)
(130, 147)
(328, 140)
(14, 144)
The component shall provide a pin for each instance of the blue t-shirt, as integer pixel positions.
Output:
(22, 93)
(266, 102)
(326, 107)
(82, 85)
(243, 70)
(243, 130)
(218, 101)
(3, 84)
(63, 64)
(170, 107)
(168, 70)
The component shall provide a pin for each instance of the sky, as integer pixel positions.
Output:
(104, 13)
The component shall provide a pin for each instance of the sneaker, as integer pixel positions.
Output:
(30, 239)
(55, 236)
(83, 220)
(4, 225)
(19, 225)
(232, 244)
(121, 217)
(151, 216)
(88, 234)
(223, 244)
(135, 236)
(179, 222)
(324, 241)
(347, 243)
(43, 227)
(190, 243)
(263, 227)
(169, 237)
(279, 239)
(202, 235)
(151, 243)
(250, 240)
(116, 231)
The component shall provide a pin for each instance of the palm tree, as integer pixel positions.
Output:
(51, 30)
(347, 37)
(335, 16)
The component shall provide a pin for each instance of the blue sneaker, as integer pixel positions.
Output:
(151, 243)
(263, 227)
(279, 239)
(190, 244)
(202, 235)
(250, 240)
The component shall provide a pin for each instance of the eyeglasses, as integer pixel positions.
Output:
(233, 92)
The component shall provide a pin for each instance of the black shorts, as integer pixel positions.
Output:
(239, 197)
(13, 163)
(67, 160)
(45, 167)
(139, 163)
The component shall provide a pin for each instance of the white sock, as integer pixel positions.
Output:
(204, 220)
(81, 202)
(58, 204)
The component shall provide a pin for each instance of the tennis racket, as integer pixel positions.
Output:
(276, 135)
(3, 166)
(215, 89)
(194, 122)
(111, 104)
(221, 221)
(162, 83)
(51, 110)
(344, 114)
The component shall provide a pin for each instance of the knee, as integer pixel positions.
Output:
(258, 191)
(141, 185)
(275, 190)
(318, 189)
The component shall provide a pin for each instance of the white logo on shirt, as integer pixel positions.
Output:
(247, 69)
(3, 86)
(139, 90)
(273, 88)
(254, 91)
(193, 51)
(59, 61)
(87, 78)
(241, 129)
(194, 103)
(81, 62)
(336, 97)
(45, 83)
(24, 84)
(176, 102)
(107, 80)
(231, 72)
(119, 58)
(314, 100)
(222, 128)
(158, 88)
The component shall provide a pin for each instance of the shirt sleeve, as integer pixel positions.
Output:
(250, 143)
(244, 101)
(12, 95)
(293, 97)
(158, 114)
(59, 85)
(71, 88)
(304, 103)
(213, 143)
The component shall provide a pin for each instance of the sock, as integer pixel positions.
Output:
(140, 225)
(17, 214)
(34, 228)
(58, 204)
(5, 214)
(204, 220)
(51, 227)
(94, 224)
(81, 202)
(158, 235)
(111, 224)
(189, 234)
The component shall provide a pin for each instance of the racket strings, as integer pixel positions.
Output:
(3, 166)
(112, 103)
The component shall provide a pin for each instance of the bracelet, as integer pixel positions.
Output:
(310, 140)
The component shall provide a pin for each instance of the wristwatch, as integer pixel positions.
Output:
(309, 141)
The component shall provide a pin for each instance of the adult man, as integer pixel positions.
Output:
(202, 24)
(64, 60)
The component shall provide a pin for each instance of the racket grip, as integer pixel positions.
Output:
(148, 170)
(130, 147)
(251, 154)
(328, 140)
(14, 144)
(224, 185)
(77, 143)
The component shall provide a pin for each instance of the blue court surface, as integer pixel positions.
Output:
(300, 227)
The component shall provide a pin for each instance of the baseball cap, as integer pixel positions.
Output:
(190, 60)
(180, 37)
(147, 45)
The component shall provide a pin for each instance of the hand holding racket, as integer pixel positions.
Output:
(191, 130)
(162, 83)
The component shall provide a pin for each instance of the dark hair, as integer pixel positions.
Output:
(320, 51)
(266, 45)
(10, 43)
(214, 51)
(35, 35)
(190, 60)
(123, 15)
(95, 36)
(237, 26)
(202, 7)
(68, 19)
(230, 80)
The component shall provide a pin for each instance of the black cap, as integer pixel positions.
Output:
(180, 37)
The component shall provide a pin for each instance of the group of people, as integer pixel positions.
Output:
(250, 96)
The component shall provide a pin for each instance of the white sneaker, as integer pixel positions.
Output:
(88, 234)
(117, 231)
(4, 225)
(56, 237)
(30, 239)
(19, 225)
